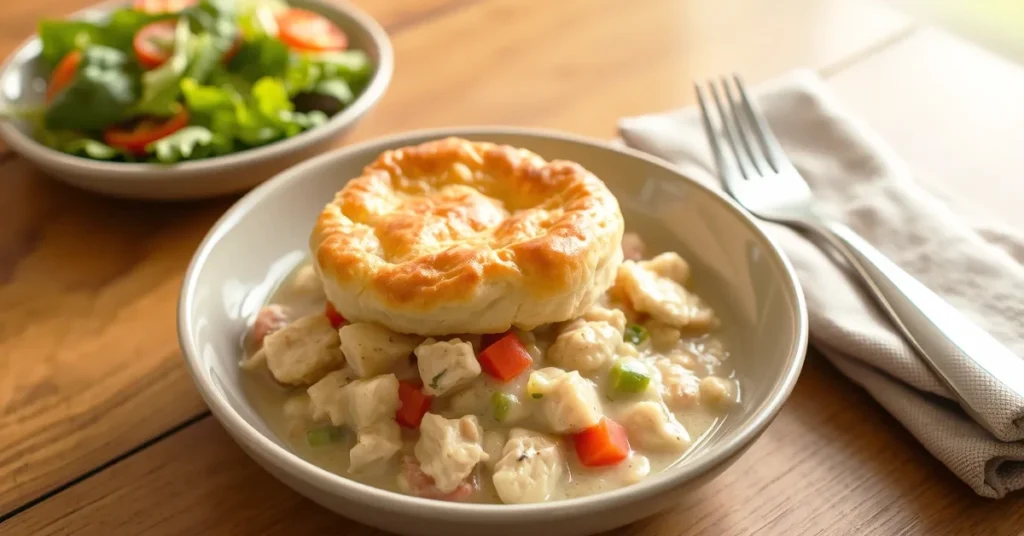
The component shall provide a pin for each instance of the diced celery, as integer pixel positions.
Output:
(629, 376)
(635, 334)
(324, 435)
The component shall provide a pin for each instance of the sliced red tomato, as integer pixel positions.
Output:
(333, 315)
(414, 404)
(506, 358)
(605, 443)
(304, 30)
(63, 74)
(158, 7)
(154, 43)
(134, 139)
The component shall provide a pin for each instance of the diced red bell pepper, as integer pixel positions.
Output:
(506, 358)
(414, 405)
(333, 315)
(605, 443)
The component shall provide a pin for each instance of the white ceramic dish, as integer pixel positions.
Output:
(742, 272)
(22, 85)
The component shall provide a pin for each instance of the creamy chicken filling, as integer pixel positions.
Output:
(595, 403)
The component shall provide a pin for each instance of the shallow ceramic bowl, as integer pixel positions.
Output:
(736, 266)
(22, 84)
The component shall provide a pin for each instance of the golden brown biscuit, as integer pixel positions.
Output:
(453, 236)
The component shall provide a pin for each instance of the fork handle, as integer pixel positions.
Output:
(948, 341)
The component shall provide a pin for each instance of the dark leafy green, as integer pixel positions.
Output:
(59, 37)
(102, 93)
(328, 96)
(122, 26)
(75, 143)
(264, 56)
(62, 36)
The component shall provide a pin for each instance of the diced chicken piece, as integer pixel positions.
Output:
(413, 481)
(446, 365)
(328, 399)
(304, 351)
(663, 298)
(663, 337)
(614, 317)
(372, 349)
(585, 346)
(633, 247)
(256, 361)
(372, 400)
(651, 426)
(298, 414)
(683, 358)
(357, 403)
(494, 443)
(307, 282)
(530, 468)
(679, 386)
(669, 265)
(569, 402)
(270, 319)
(717, 393)
(449, 449)
(375, 444)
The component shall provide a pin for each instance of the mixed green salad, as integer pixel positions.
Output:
(172, 80)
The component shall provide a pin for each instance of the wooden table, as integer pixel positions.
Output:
(103, 432)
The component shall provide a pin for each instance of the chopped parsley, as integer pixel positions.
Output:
(437, 377)
(635, 334)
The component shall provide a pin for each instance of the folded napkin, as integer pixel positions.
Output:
(976, 265)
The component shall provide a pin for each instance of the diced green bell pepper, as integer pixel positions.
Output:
(629, 376)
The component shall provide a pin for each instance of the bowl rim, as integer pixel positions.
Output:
(340, 486)
(128, 171)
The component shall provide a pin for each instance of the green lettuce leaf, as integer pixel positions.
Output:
(260, 57)
(195, 56)
(160, 86)
(307, 70)
(103, 92)
(189, 143)
(123, 24)
(59, 37)
(75, 143)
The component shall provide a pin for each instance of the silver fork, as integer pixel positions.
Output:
(760, 177)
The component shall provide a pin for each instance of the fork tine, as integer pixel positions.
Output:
(730, 175)
(733, 137)
(745, 131)
(769, 144)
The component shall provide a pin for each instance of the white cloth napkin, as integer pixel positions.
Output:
(977, 266)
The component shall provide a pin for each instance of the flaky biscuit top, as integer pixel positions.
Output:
(451, 224)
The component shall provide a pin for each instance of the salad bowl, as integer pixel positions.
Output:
(23, 86)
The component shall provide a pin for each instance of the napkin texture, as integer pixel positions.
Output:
(976, 265)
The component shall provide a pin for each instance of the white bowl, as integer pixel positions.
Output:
(738, 269)
(22, 85)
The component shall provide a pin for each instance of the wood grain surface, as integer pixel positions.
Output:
(103, 432)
